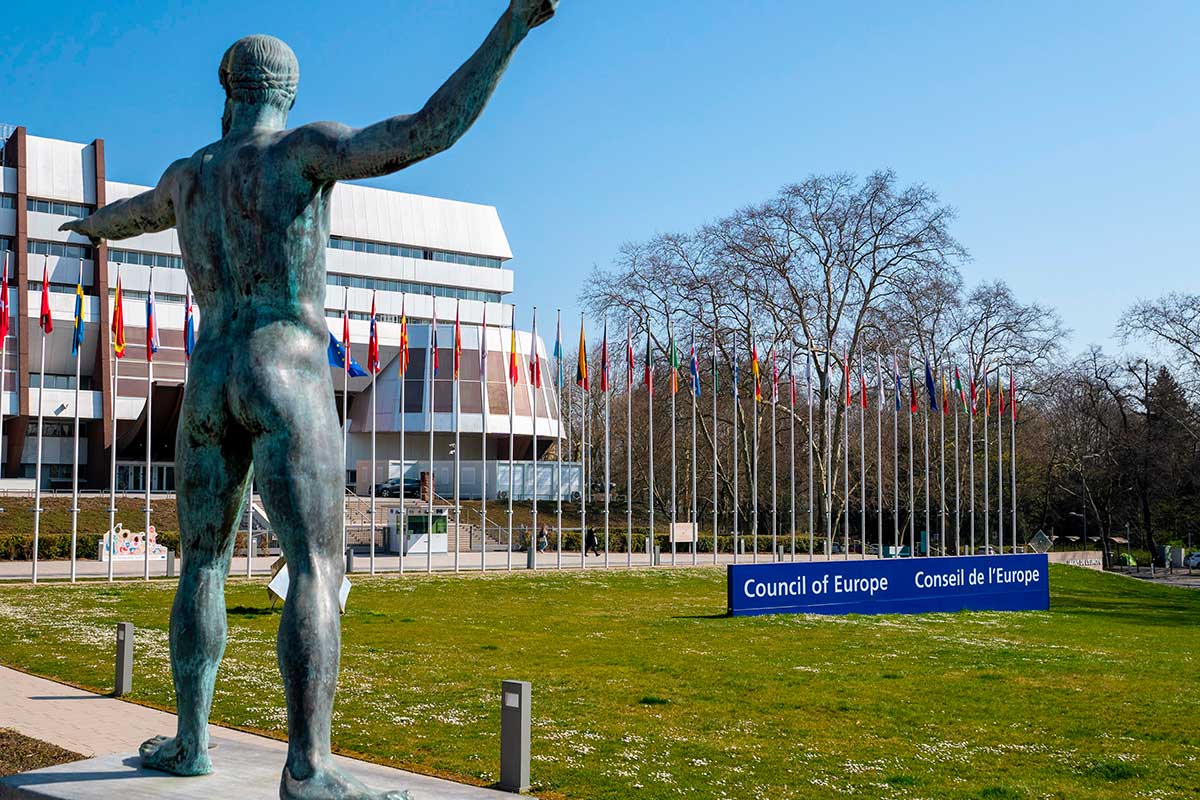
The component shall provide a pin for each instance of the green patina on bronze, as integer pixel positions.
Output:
(252, 213)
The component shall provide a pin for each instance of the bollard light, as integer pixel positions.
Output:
(170, 563)
(514, 735)
(123, 684)
(349, 560)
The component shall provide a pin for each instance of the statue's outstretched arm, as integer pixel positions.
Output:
(148, 212)
(336, 152)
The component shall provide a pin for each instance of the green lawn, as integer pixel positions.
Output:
(643, 689)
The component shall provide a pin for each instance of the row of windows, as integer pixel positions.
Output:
(145, 259)
(60, 249)
(380, 248)
(8, 201)
(78, 210)
(55, 288)
(336, 313)
(60, 428)
(159, 297)
(392, 285)
(61, 382)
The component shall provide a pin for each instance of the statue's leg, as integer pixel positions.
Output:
(299, 472)
(212, 463)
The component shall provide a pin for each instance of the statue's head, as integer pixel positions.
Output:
(258, 71)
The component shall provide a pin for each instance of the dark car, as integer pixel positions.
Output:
(392, 487)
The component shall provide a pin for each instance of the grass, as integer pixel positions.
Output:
(19, 753)
(641, 689)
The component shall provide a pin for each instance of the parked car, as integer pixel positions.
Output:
(393, 486)
(1192, 561)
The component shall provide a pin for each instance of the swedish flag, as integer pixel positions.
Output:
(77, 338)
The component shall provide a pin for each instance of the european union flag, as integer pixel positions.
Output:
(335, 359)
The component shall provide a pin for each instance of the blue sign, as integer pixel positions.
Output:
(1016, 582)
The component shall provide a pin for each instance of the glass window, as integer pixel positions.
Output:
(443, 396)
(470, 396)
(497, 395)
(58, 208)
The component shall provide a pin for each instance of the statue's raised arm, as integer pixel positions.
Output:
(149, 212)
(336, 152)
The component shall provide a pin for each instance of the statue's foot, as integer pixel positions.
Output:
(165, 753)
(330, 783)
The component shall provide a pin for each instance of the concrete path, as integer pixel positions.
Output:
(111, 730)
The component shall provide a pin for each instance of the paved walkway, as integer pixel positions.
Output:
(98, 726)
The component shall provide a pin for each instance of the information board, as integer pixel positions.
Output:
(1018, 582)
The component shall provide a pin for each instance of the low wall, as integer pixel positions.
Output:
(1091, 559)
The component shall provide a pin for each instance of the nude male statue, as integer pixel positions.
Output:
(252, 212)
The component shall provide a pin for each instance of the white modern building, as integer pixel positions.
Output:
(422, 254)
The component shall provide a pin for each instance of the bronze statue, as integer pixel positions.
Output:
(252, 212)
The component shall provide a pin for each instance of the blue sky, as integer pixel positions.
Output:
(1064, 133)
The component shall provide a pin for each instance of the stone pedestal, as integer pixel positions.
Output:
(242, 770)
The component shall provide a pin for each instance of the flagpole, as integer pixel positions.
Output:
(37, 491)
(928, 517)
(695, 402)
(774, 458)
(78, 341)
(485, 407)
(345, 406)
(432, 359)
(942, 451)
(374, 368)
(672, 362)
(401, 414)
(457, 437)
(879, 451)
(534, 370)
(912, 470)
(716, 539)
(846, 467)
(112, 480)
(628, 447)
(862, 459)
(649, 380)
(583, 444)
(512, 401)
(830, 477)
(971, 457)
(607, 441)
(896, 457)
(792, 448)
(1000, 462)
(957, 473)
(737, 408)
(558, 357)
(754, 448)
(150, 334)
(1012, 451)
(987, 453)
(249, 527)
(808, 357)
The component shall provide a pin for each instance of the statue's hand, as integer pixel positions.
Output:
(533, 12)
(81, 226)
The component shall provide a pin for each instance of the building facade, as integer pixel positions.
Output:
(419, 255)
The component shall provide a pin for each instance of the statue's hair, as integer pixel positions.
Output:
(260, 69)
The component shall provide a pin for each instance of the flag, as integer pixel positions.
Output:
(373, 342)
(774, 377)
(695, 368)
(433, 342)
(1012, 395)
(558, 352)
(930, 388)
(879, 379)
(648, 367)
(734, 372)
(535, 363)
(962, 393)
(604, 358)
(862, 379)
(754, 370)
(896, 372)
(189, 327)
(334, 354)
(999, 393)
(118, 323)
(846, 378)
(514, 372)
(151, 323)
(792, 378)
(4, 301)
(674, 358)
(581, 366)
(346, 324)
(974, 397)
(987, 393)
(483, 344)
(457, 339)
(945, 404)
(913, 403)
(629, 359)
(404, 336)
(77, 335)
(45, 320)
